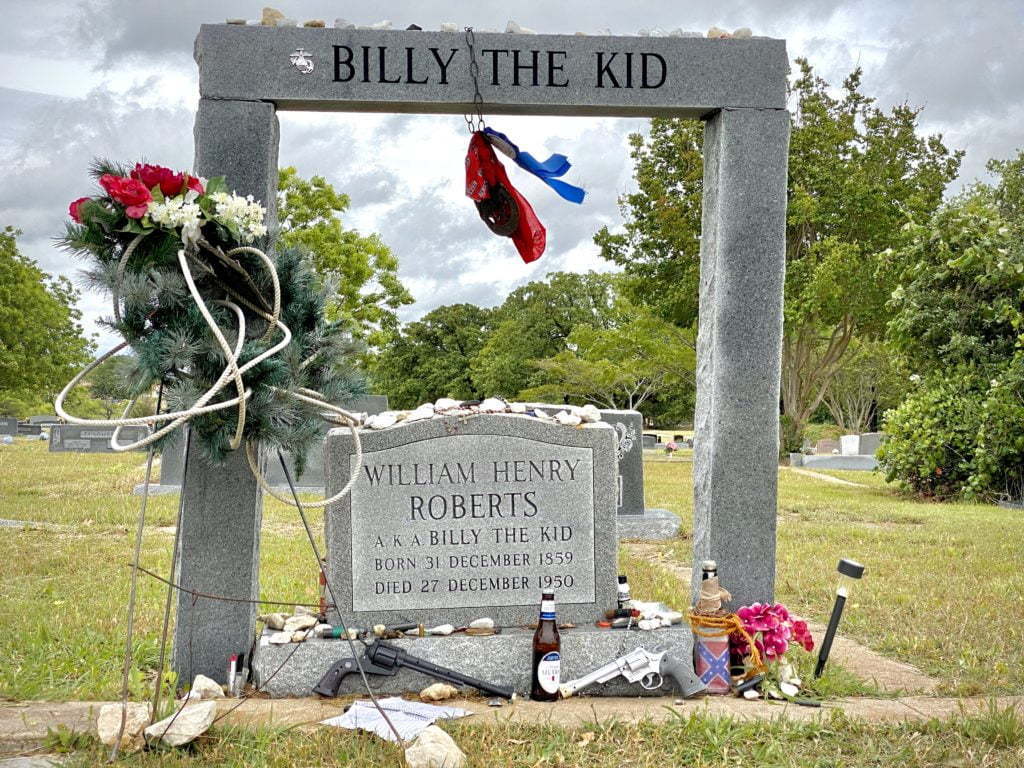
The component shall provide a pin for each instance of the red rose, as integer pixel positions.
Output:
(170, 183)
(74, 210)
(131, 193)
(194, 183)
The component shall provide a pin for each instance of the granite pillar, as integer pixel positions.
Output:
(222, 503)
(739, 348)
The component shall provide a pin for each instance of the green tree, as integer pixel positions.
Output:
(430, 358)
(868, 382)
(111, 384)
(958, 323)
(361, 268)
(534, 323)
(638, 357)
(41, 340)
(855, 175)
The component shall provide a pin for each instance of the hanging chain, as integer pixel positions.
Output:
(475, 120)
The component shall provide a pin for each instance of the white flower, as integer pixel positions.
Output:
(244, 214)
(174, 213)
(915, 378)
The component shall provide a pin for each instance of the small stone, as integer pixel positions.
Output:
(205, 688)
(788, 689)
(273, 620)
(568, 419)
(517, 408)
(340, 23)
(379, 629)
(280, 638)
(717, 33)
(751, 694)
(493, 405)
(441, 630)
(137, 718)
(495, 702)
(425, 411)
(589, 414)
(449, 26)
(382, 420)
(649, 624)
(296, 623)
(484, 623)
(299, 635)
(679, 702)
(446, 404)
(194, 719)
(434, 748)
(314, 23)
(385, 24)
(742, 32)
(513, 28)
(302, 610)
(271, 17)
(414, 28)
(439, 692)
(236, 22)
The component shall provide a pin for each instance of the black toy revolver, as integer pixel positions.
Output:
(380, 658)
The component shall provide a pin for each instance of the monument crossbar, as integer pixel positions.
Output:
(737, 87)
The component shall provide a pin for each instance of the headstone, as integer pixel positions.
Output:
(24, 428)
(8, 425)
(679, 438)
(43, 419)
(849, 445)
(870, 442)
(312, 477)
(825, 446)
(738, 87)
(85, 439)
(451, 519)
(650, 442)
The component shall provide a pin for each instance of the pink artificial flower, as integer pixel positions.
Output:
(193, 183)
(773, 629)
(75, 209)
(131, 193)
(802, 635)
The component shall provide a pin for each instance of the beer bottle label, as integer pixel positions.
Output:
(547, 609)
(549, 671)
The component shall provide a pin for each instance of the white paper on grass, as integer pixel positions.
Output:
(408, 717)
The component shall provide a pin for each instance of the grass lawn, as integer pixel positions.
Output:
(944, 590)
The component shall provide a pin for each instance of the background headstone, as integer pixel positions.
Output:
(650, 442)
(25, 428)
(826, 446)
(870, 442)
(452, 519)
(8, 425)
(85, 439)
(43, 419)
(849, 445)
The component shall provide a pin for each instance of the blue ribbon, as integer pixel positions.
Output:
(548, 171)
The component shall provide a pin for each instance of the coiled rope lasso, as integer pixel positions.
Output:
(232, 373)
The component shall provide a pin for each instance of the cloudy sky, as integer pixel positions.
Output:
(116, 78)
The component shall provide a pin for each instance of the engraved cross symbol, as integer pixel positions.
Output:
(302, 60)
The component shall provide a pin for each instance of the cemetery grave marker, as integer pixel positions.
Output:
(738, 87)
(8, 425)
(85, 439)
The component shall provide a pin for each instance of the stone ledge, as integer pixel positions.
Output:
(652, 524)
(503, 659)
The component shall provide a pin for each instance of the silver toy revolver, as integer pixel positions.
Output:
(640, 666)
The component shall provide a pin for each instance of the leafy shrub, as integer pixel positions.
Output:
(931, 444)
(999, 453)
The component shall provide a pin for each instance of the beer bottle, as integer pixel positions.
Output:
(547, 657)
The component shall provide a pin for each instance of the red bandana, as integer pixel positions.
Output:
(501, 206)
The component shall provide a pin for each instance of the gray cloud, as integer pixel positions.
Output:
(403, 172)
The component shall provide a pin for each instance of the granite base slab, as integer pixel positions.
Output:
(503, 659)
(652, 524)
(858, 462)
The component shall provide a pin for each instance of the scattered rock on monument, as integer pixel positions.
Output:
(434, 748)
(484, 623)
(205, 688)
(273, 620)
(271, 17)
(109, 724)
(192, 721)
(439, 692)
(295, 623)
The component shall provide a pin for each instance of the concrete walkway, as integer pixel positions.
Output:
(826, 478)
(23, 725)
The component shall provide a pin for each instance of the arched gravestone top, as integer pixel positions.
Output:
(418, 71)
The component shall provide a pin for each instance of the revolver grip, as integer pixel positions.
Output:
(330, 683)
(684, 676)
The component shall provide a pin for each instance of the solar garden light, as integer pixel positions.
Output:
(854, 570)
